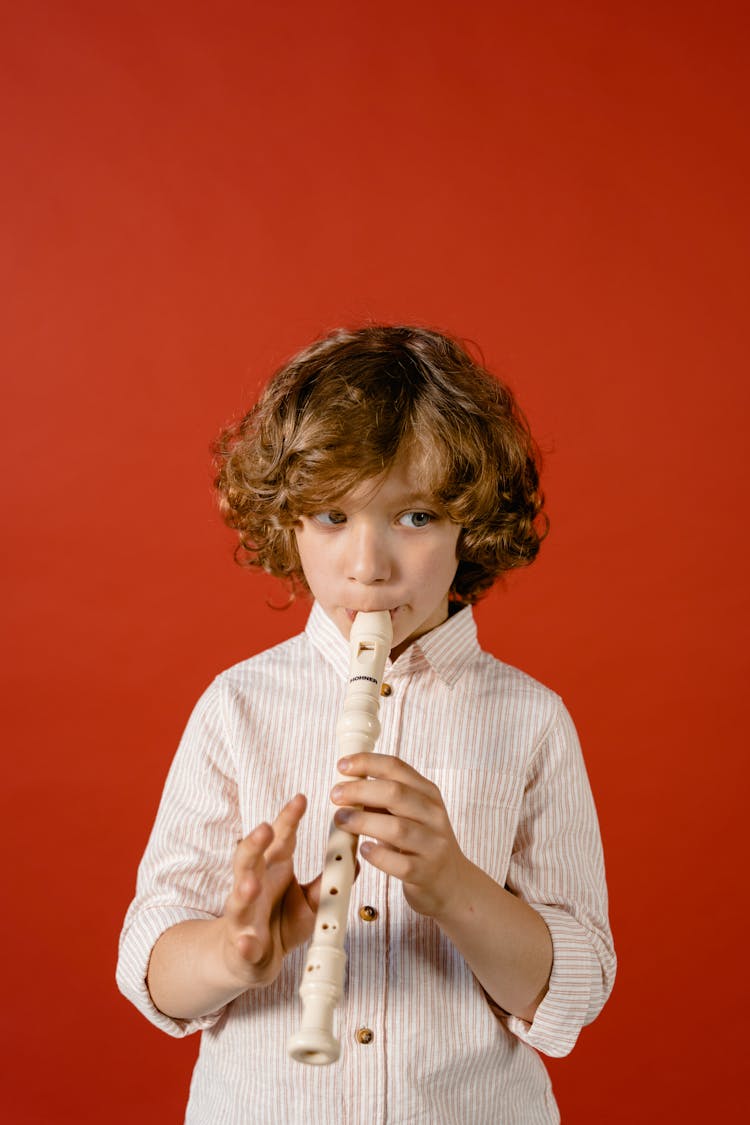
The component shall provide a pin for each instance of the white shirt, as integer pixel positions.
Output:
(504, 753)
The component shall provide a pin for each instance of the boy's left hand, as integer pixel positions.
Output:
(414, 840)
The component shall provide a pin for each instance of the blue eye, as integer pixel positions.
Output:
(329, 519)
(416, 519)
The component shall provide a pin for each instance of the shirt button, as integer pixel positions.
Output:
(385, 689)
(368, 913)
(364, 1035)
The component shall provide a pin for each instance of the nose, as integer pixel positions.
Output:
(368, 559)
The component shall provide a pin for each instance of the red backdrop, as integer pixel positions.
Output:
(191, 192)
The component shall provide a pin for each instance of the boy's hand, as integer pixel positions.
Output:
(405, 814)
(268, 913)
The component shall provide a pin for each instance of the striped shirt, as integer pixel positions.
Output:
(504, 753)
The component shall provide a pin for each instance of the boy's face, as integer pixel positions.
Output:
(385, 545)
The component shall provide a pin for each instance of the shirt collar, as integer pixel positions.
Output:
(447, 649)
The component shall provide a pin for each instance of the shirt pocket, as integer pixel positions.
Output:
(484, 808)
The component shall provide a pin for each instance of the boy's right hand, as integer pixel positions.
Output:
(268, 912)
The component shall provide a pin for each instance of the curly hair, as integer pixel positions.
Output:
(342, 410)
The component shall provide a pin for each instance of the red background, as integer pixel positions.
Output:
(190, 193)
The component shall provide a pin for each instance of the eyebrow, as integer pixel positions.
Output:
(421, 501)
(407, 500)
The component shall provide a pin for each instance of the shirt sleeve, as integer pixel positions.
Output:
(558, 868)
(186, 870)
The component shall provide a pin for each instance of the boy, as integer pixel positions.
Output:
(382, 469)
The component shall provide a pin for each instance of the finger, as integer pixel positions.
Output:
(251, 947)
(387, 767)
(291, 814)
(248, 870)
(396, 832)
(395, 796)
(285, 829)
(243, 894)
(248, 856)
(390, 862)
(311, 891)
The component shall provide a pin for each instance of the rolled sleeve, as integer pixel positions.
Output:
(139, 936)
(558, 869)
(576, 992)
(186, 870)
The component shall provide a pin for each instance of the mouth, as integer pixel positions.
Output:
(352, 613)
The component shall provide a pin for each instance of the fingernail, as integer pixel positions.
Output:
(337, 793)
(344, 765)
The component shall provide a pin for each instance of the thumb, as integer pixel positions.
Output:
(311, 891)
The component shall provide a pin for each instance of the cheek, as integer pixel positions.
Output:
(450, 563)
(318, 562)
(305, 555)
(449, 551)
(438, 568)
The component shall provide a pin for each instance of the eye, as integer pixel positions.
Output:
(416, 519)
(329, 519)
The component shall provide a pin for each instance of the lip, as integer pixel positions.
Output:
(352, 613)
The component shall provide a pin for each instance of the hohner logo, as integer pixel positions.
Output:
(370, 679)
